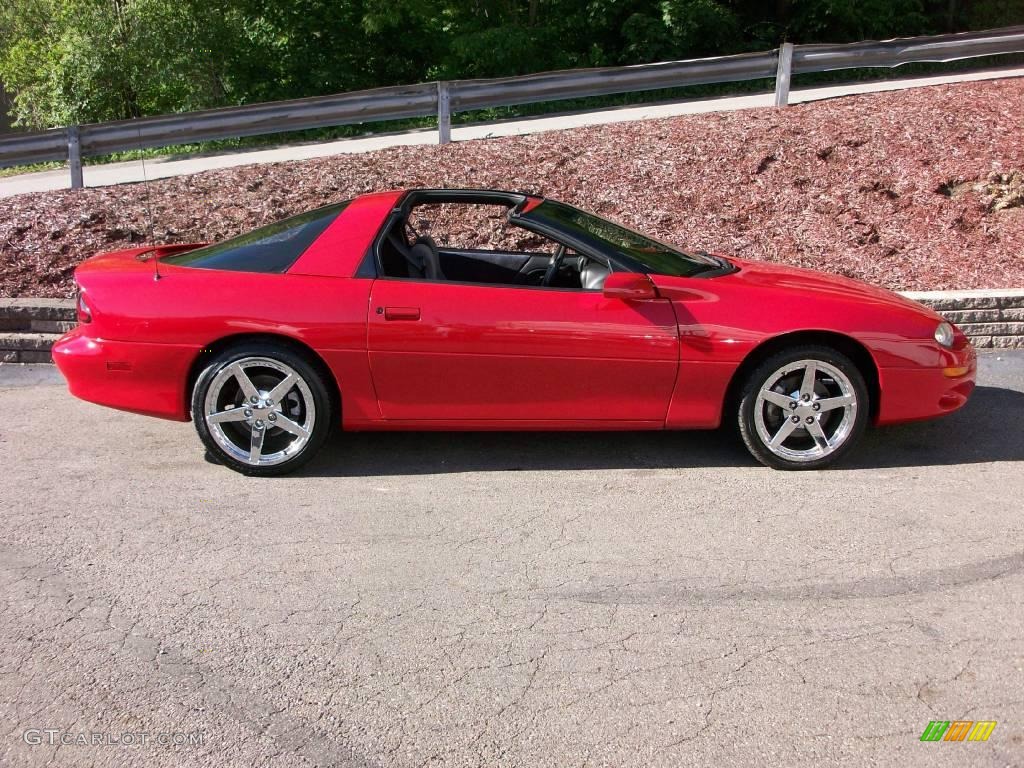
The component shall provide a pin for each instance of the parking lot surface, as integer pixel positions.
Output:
(508, 599)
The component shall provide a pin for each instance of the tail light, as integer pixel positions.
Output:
(84, 312)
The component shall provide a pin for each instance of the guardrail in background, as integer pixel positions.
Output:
(444, 98)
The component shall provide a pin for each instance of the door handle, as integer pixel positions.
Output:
(401, 313)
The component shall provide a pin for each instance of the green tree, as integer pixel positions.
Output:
(77, 61)
(74, 61)
(682, 29)
(850, 20)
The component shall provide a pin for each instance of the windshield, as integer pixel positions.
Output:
(273, 248)
(655, 256)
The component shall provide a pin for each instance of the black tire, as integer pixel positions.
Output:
(847, 424)
(225, 441)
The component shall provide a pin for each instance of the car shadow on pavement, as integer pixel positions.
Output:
(989, 428)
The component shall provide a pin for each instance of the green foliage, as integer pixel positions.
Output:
(844, 21)
(70, 61)
(983, 14)
(78, 61)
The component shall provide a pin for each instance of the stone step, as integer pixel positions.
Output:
(969, 316)
(25, 356)
(52, 326)
(997, 342)
(942, 301)
(26, 347)
(20, 314)
(24, 341)
(992, 329)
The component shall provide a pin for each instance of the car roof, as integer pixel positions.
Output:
(423, 195)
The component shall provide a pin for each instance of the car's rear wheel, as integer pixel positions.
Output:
(803, 408)
(261, 408)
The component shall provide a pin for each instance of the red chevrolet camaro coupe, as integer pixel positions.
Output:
(384, 313)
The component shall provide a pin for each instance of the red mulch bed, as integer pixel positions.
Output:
(917, 189)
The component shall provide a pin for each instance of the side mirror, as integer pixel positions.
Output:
(629, 286)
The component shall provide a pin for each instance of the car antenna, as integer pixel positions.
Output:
(149, 210)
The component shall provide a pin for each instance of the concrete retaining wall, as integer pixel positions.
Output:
(28, 328)
(991, 319)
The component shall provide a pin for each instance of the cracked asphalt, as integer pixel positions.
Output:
(510, 599)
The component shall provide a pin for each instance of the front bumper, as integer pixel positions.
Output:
(912, 394)
(139, 377)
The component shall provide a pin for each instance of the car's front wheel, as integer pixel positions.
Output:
(803, 408)
(261, 408)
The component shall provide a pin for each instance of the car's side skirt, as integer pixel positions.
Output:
(481, 425)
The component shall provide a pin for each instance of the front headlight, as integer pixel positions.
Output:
(944, 335)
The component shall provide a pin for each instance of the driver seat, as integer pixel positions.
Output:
(592, 276)
(424, 260)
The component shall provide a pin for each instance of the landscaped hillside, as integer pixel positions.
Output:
(918, 189)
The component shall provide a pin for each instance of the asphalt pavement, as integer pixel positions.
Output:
(630, 599)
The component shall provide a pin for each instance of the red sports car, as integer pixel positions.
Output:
(437, 309)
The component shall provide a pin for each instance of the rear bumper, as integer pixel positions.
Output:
(912, 394)
(139, 377)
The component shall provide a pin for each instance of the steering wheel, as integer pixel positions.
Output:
(553, 266)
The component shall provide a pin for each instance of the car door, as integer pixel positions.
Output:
(462, 353)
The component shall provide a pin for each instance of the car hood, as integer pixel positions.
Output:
(761, 275)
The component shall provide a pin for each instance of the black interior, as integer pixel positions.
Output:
(405, 255)
(504, 267)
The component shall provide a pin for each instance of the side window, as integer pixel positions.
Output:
(475, 243)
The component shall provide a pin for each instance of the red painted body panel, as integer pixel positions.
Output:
(505, 353)
(723, 320)
(413, 354)
(340, 249)
(726, 317)
(151, 384)
(498, 425)
(912, 394)
(194, 308)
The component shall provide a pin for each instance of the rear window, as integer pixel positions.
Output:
(273, 248)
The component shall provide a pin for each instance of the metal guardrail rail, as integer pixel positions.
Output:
(577, 83)
(444, 98)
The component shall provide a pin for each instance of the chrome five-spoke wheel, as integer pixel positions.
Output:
(801, 409)
(261, 413)
(805, 410)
